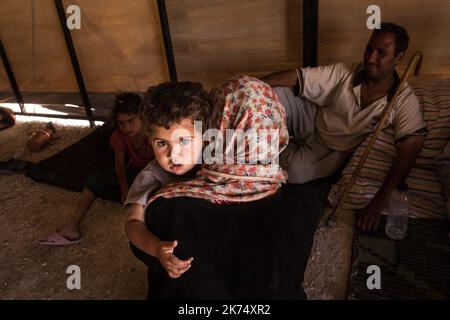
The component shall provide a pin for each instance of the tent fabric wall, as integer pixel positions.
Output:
(119, 46)
(216, 39)
(343, 34)
(16, 33)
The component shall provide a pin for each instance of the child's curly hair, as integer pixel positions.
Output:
(171, 102)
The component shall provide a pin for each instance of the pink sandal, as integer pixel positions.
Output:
(55, 239)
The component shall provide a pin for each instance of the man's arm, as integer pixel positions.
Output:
(285, 78)
(407, 151)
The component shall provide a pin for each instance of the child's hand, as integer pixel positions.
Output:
(174, 266)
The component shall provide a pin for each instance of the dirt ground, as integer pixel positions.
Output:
(12, 140)
(29, 210)
(30, 271)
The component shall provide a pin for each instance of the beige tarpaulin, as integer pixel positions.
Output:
(120, 46)
(342, 35)
(215, 39)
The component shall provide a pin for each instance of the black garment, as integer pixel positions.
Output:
(256, 250)
(71, 167)
(106, 185)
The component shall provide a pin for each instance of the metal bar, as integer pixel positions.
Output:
(167, 41)
(61, 116)
(310, 32)
(74, 60)
(11, 78)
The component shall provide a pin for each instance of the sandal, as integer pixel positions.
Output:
(55, 239)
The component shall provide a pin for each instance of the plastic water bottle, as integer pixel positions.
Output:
(397, 213)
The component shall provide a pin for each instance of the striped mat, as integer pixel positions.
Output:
(427, 196)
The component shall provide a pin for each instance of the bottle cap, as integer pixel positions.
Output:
(402, 186)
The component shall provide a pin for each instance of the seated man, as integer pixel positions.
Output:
(334, 108)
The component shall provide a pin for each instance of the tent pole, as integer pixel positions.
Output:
(74, 60)
(12, 79)
(61, 116)
(167, 41)
(310, 32)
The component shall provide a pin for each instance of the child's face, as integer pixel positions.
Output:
(129, 123)
(177, 149)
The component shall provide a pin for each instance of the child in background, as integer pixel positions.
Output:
(132, 153)
(168, 114)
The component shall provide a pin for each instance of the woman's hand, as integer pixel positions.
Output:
(174, 266)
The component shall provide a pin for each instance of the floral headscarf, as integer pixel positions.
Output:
(242, 103)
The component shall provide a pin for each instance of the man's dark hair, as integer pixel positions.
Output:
(126, 102)
(171, 102)
(401, 36)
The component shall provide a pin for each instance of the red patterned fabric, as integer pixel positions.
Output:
(243, 103)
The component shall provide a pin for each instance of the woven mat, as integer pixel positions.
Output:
(417, 267)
